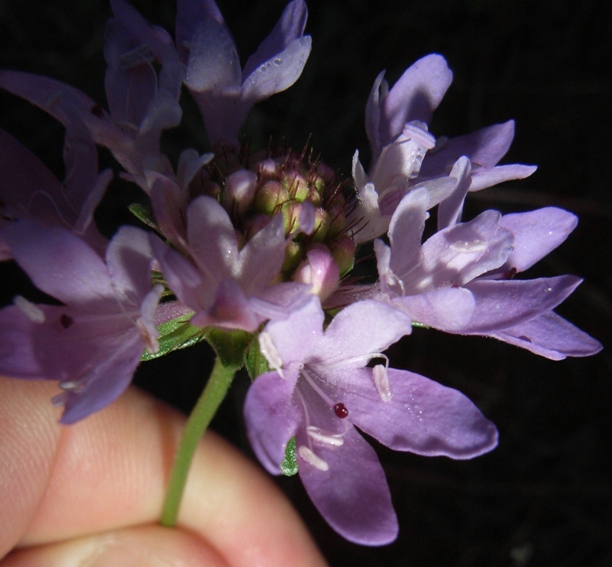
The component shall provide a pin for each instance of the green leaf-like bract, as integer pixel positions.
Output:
(255, 362)
(289, 466)
(230, 346)
(175, 334)
(144, 214)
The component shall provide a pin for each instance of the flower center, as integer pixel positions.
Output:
(253, 187)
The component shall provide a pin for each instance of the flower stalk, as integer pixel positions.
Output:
(207, 405)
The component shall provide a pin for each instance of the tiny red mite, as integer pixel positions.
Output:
(341, 411)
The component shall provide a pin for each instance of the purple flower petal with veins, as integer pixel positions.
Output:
(28, 190)
(93, 343)
(320, 387)
(224, 93)
(472, 261)
(226, 286)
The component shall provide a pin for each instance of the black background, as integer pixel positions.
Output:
(544, 496)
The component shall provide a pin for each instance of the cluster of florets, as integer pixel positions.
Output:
(263, 243)
(309, 194)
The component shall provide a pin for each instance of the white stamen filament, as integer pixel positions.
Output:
(365, 358)
(266, 345)
(316, 388)
(68, 385)
(381, 381)
(333, 439)
(312, 459)
(149, 336)
(29, 309)
(136, 56)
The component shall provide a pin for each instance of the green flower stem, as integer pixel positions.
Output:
(217, 386)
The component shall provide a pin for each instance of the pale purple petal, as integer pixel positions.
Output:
(213, 60)
(107, 380)
(401, 160)
(415, 95)
(484, 148)
(279, 73)
(189, 15)
(61, 264)
(278, 301)
(211, 237)
(182, 277)
(422, 416)
(406, 231)
(360, 331)
(63, 102)
(271, 417)
(447, 309)
(372, 112)
(128, 259)
(230, 309)
(293, 337)
(262, 257)
(501, 304)
(451, 208)
(171, 310)
(289, 27)
(457, 255)
(352, 495)
(536, 233)
(485, 178)
(167, 205)
(130, 80)
(27, 187)
(18, 353)
(550, 336)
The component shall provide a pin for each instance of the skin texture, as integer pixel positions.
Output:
(89, 494)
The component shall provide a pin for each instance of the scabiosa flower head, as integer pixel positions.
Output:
(262, 231)
(321, 387)
(93, 342)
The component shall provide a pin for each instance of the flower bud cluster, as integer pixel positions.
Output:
(310, 195)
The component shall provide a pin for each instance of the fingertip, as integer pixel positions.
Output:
(146, 546)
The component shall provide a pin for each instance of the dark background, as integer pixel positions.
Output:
(544, 496)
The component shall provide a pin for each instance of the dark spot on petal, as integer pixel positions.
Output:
(509, 274)
(341, 411)
(66, 321)
(96, 110)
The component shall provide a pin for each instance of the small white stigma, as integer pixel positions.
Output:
(381, 381)
(317, 434)
(266, 345)
(29, 309)
(312, 459)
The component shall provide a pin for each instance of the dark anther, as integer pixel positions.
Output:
(66, 321)
(341, 411)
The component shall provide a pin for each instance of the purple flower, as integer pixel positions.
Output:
(94, 341)
(224, 93)
(320, 387)
(415, 96)
(226, 286)
(459, 280)
(406, 157)
(141, 102)
(28, 190)
(484, 148)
